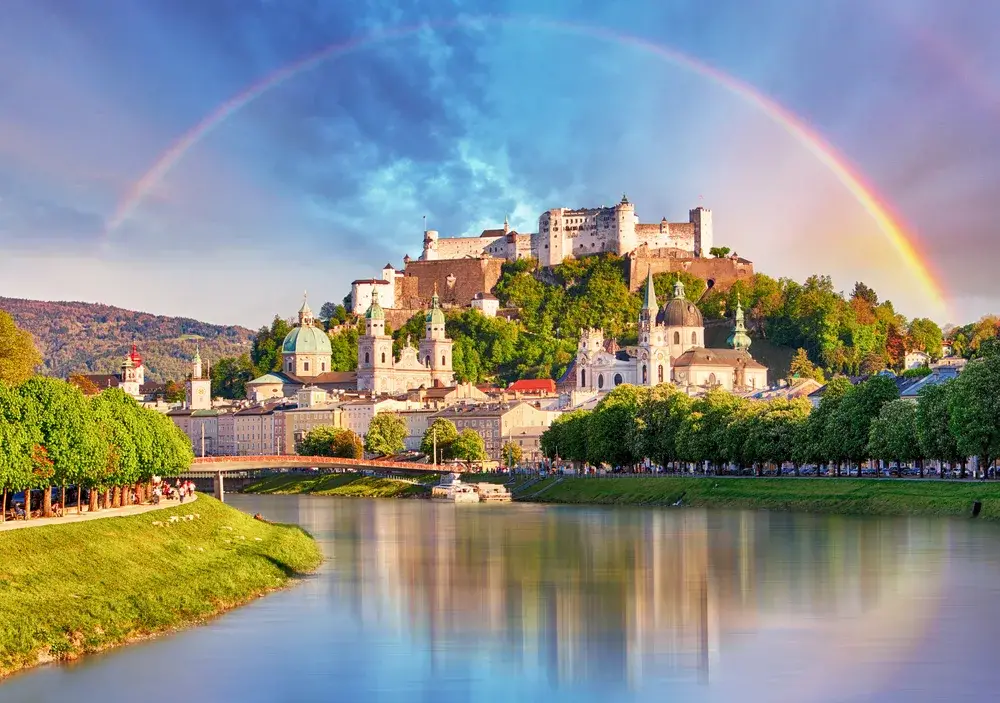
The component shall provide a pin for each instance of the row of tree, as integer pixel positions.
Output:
(52, 435)
(949, 422)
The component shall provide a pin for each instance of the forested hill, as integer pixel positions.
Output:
(93, 338)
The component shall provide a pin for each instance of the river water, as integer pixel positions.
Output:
(420, 601)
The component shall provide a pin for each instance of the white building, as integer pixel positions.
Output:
(485, 303)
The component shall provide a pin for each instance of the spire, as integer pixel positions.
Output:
(650, 303)
(506, 225)
(739, 339)
(305, 313)
(197, 354)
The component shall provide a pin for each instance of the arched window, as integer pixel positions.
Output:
(367, 358)
(322, 366)
(443, 362)
(694, 339)
(711, 379)
(583, 378)
(618, 379)
(427, 361)
(645, 376)
(383, 357)
(659, 374)
(600, 381)
(677, 337)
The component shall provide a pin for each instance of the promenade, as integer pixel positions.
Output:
(70, 516)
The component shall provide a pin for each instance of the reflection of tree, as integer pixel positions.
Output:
(610, 594)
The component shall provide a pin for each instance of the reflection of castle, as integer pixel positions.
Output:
(612, 596)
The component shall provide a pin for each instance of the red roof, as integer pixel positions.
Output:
(135, 356)
(533, 385)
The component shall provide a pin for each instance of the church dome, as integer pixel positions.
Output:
(306, 339)
(680, 312)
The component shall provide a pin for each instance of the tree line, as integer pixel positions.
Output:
(51, 435)
(950, 422)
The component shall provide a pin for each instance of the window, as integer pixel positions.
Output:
(322, 366)
(305, 365)
(645, 376)
(427, 361)
(659, 373)
(711, 379)
(600, 380)
(443, 362)
(383, 357)
(583, 378)
(677, 337)
(694, 339)
(618, 379)
(367, 358)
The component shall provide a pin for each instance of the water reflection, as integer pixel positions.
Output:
(443, 603)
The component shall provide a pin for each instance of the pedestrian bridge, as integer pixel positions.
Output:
(215, 467)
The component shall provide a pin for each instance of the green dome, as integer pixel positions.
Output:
(375, 311)
(435, 315)
(306, 339)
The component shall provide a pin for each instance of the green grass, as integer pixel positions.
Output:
(71, 589)
(817, 495)
(348, 484)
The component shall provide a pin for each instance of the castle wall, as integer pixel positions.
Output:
(462, 247)
(458, 281)
(725, 271)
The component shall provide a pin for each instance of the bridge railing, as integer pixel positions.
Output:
(288, 459)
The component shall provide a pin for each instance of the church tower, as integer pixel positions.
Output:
(653, 359)
(130, 381)
(435, 347)
(198, 389)
(375, 358)
(739, 339)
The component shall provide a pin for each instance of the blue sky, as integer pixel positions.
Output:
(325, 177)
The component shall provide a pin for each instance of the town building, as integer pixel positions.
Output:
(315, 408)
(131, 378)
(916, 359)
(380, 371)
(497, 423)
(670, 349)
(486, 303)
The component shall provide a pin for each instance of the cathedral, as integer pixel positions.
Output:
(430, 364)
(671, 348)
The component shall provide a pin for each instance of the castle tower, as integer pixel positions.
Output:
(435, 347)
(430, 252)
(625, 225)
(198, 389)
(506, 225)
(701, 218)
(375, 360)
(739, 339)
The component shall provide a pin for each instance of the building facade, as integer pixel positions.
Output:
(498, 423)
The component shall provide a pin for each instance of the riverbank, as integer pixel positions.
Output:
(812, 495)
(73, 589)
(349, 485)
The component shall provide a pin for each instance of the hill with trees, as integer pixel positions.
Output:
(76, 337)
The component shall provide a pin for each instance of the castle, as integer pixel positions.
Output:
(670, 349)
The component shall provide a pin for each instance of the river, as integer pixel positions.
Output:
(433, 602)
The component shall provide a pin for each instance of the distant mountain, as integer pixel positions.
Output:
(93, 338)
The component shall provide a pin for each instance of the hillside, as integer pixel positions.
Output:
(93, 338)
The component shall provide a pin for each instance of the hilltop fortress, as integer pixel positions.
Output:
(465, 269)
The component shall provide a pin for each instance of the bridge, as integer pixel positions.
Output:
(215, 467)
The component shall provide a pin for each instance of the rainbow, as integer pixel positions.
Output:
(889, 224)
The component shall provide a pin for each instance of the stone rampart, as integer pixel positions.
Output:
(724, 272)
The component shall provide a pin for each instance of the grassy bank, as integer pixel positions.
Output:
(66, 590)
(351, 485)
(816, 495)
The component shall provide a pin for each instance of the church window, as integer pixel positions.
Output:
(677, 337)
(711, 379)
(600, 380)
(427, 361)
(645, 376)
(322, 366)
(618, 379)
(443, 362)
(305, 365)
(583, 378)
(383, 357)
(659, 373)
(694, 339)
(367, 358)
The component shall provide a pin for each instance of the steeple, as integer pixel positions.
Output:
(650, 303)
(739, 339)
(305, 313)
(196, 363)
(506, 225)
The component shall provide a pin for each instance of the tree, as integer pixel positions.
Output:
(326, 440)
(926, 336)
(18, 356)
(775, 431)
(441, 433)
(86, 386)
(974, 410)
(863, 292)
(511, 454)
(16, 442)
(173, 392)
(566, 437)
(386, 434)
(933, 424)
(230, 376)
(613, 424)
(719, 252)
(265, 353)
(850, 425)
(892, 433)
(802, 367)
(658, 422)
(333, 314)
(820, 443)
(469, 446)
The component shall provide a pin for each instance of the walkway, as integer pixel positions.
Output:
(71, 516)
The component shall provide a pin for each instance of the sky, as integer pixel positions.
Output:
(186, 157)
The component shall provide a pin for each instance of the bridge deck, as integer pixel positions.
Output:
(224, 464)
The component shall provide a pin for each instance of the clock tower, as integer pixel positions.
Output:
(198, 390)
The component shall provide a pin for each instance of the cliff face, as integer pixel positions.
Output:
(92, 338)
